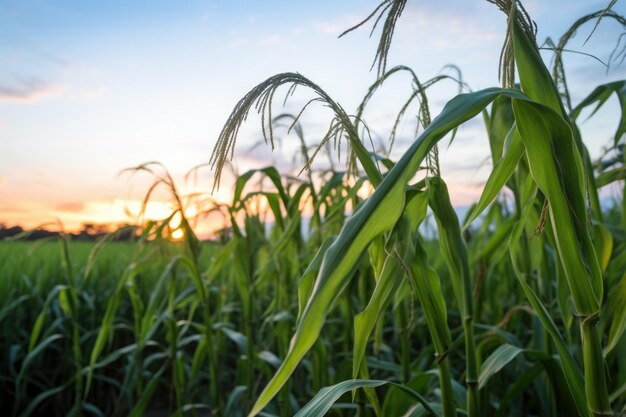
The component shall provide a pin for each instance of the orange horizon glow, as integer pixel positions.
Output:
(107, 215)
(73, 215)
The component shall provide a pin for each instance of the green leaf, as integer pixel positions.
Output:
(106, 328)
(235, 398)
(556, 166)
(453, 248)
(326, 397)
(517, 388)
(499, 124)
(365, 321)
(39, 322)
(390, 278)
(610, 176)
(502, 171)
(32, 355)
(271, 172)
(535, 78)
(600, 95)
(396, 403)
(572, 372)
(428, 289)
(618, 321)
(496, 361)
(603, 245)
(305, 285)
(454, 251)
(146, 396)
(40, 398)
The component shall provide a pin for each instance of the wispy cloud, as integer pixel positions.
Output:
(70, 206)
(454, 26)
(28, 90)
(11, 208)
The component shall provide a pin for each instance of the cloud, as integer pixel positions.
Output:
(72, 206)
(28, 90)
(2, 127)
(456, 26)
(12, 208)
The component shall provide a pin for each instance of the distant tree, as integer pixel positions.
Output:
(6, 232)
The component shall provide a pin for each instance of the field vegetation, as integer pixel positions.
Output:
(353, 291)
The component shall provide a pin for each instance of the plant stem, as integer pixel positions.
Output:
(593, 362)
(445, 383)
(471, 371)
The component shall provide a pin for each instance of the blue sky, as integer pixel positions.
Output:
(90, 88)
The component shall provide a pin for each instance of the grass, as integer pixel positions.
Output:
(386, 305)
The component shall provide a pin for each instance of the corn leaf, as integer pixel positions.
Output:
(618, 322)
(572, 372)
(556, 167)
(502, 171)
(600, 95)
(496, 361)
(325, 399)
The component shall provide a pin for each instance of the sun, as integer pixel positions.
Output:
(178, 234)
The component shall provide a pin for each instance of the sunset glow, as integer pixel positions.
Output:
(178, 234)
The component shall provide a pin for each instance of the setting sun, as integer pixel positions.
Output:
(178, 234)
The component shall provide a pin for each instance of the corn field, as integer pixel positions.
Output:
(355, 291)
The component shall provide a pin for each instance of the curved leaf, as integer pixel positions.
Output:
(326, 397)
(496, 361)
(600, 95)
(556, 166)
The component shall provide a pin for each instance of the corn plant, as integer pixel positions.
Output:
(538, 152)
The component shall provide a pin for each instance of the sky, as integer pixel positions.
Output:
(88, 89)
